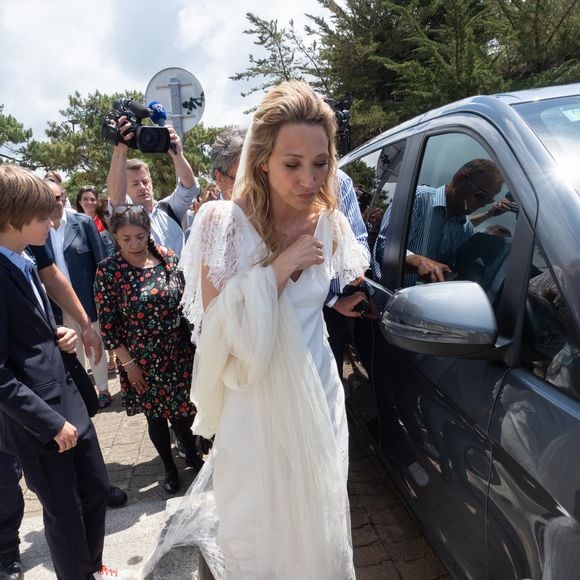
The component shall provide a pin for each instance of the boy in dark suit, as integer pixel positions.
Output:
(43, 419)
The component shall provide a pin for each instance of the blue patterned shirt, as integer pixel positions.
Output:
(431, 232)
(348, 205)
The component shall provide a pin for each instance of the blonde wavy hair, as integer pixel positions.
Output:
(289, 102)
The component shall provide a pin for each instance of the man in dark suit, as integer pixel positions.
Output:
(77, 248)
(43, 419)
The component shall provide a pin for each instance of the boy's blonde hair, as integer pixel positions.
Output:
(23, 197)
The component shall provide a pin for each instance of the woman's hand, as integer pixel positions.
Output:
(137, 379)
(304, 252)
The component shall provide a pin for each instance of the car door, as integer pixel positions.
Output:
(375, 173)
(534, 492)
(445, 404)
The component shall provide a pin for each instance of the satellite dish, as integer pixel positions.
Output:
(181, 95)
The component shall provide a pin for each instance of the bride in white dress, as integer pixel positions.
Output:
(271, 502)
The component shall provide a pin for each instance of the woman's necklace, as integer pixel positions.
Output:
(291, 232)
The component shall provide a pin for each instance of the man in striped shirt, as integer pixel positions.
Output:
(339, 308)
(440, 223)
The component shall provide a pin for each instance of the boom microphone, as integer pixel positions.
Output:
(140, 111)
(158, 113)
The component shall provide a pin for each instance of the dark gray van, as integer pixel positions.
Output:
(474, 400)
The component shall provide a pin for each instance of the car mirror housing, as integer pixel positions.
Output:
(452, 319)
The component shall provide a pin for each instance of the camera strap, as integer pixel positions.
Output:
(166, 208)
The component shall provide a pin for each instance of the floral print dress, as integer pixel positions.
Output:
(139, 308)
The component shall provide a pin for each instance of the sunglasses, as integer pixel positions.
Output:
(478, 193)
(123, 209)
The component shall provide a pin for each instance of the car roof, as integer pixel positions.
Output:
(476, 104)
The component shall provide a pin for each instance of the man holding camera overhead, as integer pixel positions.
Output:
(129, 182)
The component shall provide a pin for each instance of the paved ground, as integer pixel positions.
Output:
(387, 543)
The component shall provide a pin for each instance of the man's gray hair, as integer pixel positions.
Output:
(226, 149)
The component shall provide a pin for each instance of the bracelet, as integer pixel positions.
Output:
(135, 365)
(129, 361)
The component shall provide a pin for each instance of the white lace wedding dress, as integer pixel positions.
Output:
(274, 490)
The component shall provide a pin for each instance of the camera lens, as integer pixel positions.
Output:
(153, 139)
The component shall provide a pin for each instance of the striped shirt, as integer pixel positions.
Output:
(348, 205)
(431, 233)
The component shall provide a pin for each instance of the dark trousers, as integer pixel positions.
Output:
(159, 434)
(11, 503)
(73, 488)
(338, 334)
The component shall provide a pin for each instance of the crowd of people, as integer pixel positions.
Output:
(222, 310)
(225, 312)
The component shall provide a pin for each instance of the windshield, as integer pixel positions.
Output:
(557, 124)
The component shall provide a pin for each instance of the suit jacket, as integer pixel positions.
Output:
(36, 393)
(83, 249)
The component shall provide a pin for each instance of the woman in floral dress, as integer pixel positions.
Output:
(138, 291)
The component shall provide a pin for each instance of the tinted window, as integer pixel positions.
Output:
(377, 173)
(557, 124)
(375, 177)
(552, 336)
(462, 218)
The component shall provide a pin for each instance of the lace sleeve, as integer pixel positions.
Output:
(214, 236)
(350, 258)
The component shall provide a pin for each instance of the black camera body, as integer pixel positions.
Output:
(146, 138)
(342, 113)
(363, 306)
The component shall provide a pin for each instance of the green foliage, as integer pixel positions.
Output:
(537, 37)
(568, 72)
(399, 58)
(450, 56)
(355, 33)
(288, 57)
(12, 133)
(363, 175)
(369, 119)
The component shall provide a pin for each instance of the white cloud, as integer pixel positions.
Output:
(50, 49)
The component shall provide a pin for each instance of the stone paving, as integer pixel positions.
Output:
(387, 543)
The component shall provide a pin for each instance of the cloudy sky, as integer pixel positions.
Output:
(50, 48)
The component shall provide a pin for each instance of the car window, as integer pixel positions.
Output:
(554, 348)
(462, 218)
(557, 124)
(375, 179)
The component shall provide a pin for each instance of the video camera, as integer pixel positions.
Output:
(146, 138)
(342, 112)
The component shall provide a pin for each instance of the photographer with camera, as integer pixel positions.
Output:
(129, 181)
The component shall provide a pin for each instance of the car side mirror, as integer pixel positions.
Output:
(453, 319)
